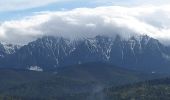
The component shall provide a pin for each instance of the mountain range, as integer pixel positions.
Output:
(99, 68)
(141, 53)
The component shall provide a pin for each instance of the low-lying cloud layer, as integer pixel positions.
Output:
(89, 22)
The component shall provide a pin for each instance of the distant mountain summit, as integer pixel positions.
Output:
(6, 49)
(138, 52)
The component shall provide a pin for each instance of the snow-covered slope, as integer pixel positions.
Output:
(10, 48)
(7, 49)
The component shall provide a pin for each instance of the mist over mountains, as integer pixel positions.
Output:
(89, 23)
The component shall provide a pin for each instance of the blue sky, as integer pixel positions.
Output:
(54, 6)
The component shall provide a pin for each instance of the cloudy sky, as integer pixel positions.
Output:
(22, 21)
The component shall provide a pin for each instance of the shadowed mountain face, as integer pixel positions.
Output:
(140, 53)
(2, 51)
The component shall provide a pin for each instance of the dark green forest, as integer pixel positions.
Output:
(91, 81)
(158, 89)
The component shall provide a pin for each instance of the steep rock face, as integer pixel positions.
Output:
(140, 53)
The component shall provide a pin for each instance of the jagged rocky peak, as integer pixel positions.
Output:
(50, 40)
(10, 48)
(52, 52)
(99, 38)
(6, 49)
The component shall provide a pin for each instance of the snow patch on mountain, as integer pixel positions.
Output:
(10, 48)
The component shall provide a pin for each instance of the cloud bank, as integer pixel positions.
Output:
(89, 22)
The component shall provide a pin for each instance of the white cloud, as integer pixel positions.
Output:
(130, 2)
(89, 22)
